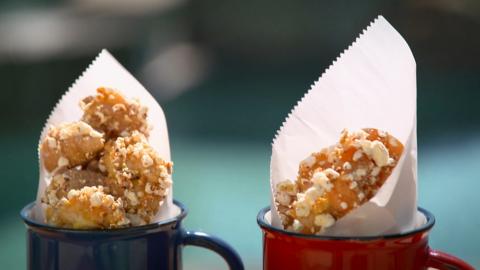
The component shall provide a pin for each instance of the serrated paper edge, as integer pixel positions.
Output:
(42, 173)
(275, 215)
(55, 107)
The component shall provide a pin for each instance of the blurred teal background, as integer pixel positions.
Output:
(226, 74)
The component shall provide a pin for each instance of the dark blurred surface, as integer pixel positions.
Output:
(226, 74)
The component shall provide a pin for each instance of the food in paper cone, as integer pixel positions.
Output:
(336, 180)
(104, 173)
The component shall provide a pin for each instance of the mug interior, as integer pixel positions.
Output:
(424, 222)
(28, 216)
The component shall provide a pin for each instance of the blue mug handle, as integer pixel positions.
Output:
(215, 244)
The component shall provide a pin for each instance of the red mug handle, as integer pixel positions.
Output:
(443, 261)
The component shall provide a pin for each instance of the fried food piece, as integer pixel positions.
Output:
(137, 175)
(336, 180)
(64, 181)
(69, 145)
(104, 185)
(87, 208)
(112, 113)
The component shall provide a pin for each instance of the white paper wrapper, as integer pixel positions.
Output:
(371, 84)
(106, 71)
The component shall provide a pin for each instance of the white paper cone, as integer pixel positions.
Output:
(372, 84)
(106, 71)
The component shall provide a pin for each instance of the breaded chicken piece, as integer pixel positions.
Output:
(70, 145)
(137, 175)
(110, 112)
(87, 208)
(98, 185)
(64, 181)
(336, 180)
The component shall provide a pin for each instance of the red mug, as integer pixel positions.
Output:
(409, 250)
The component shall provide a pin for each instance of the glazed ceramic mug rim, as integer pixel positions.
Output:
(430, 221)
(24, 213)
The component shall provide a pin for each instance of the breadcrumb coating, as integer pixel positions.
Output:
(101, 185)
(137, 175)
(69, 145)
(110, 112)
(336, 180)
(87, 208)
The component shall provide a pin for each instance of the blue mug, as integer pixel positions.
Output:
(155, 246)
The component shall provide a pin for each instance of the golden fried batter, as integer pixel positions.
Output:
(113, 114)
(69, 145)
(63, 182)
(87, 208)
(104, 185)
(336, 180)
(137, 175)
